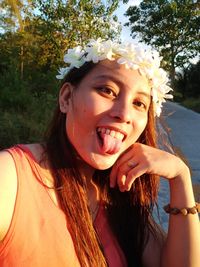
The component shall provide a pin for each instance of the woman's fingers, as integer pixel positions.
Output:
(123, 170)
(126, 157)
(140, 159)
(133, 175)
(127, 176)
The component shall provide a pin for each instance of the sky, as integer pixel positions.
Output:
(125, 35)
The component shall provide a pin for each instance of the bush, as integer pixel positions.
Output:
(192, 103)
(24, 112)
(187, 82)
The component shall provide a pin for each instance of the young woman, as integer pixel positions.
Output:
(85, 196)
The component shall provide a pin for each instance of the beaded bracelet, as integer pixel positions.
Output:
(184, 211)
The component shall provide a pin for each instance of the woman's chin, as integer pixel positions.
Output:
(103, 167)
(102, 163)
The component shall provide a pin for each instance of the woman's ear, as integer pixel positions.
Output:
(65, 96)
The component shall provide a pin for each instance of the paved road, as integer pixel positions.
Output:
(184, 125)
(185, 134)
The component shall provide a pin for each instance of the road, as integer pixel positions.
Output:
(184, 134)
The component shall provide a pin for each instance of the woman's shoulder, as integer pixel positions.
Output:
(8, 170)
(9, 182)
(8, 190)
(9, 159)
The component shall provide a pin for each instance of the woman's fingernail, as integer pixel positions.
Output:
(123, 179)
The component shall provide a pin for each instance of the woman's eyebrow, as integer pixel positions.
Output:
(144, 94)
(110, 77)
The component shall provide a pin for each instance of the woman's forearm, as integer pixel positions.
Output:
(182, 246)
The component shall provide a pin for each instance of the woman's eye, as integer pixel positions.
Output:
(139, 104)
(107, 91)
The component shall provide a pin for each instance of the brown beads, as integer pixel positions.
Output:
(184, 211)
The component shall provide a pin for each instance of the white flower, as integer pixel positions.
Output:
(147, 62)
(74, 57)
(158, 109)
(62, 73)
(107, 51)
(93, 50)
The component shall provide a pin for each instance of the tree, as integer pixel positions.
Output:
(66, 24)
(171, 26)
(10, 14)
(43, 30)
(13, 18)
(188, 81)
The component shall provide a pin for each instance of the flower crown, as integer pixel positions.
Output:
(131, 55)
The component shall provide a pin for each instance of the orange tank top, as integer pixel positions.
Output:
(38, 234)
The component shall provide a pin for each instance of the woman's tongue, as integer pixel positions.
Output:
(110, 144)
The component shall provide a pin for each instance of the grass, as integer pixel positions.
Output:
(192, 103)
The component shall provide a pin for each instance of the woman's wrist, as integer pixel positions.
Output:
(183, 176)
(181, 191)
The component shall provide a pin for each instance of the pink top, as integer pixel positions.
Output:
(38, 234)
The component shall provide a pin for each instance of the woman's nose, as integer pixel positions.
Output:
(121, 112)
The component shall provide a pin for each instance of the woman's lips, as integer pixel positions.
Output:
(110, 140)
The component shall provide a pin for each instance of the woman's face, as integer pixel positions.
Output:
(106, 113)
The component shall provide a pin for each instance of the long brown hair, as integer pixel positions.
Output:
(128, 213)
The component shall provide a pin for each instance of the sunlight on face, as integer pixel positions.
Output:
(107, 113)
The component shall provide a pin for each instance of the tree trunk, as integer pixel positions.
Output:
(172, 67)
(22, 63)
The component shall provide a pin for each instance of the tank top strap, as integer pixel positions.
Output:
(25, 149)
(39, 171)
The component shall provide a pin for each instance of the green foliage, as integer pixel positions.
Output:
(70, 23)
(172, 26)
(39, 39)
(13, 13)
(24, 114)
(192, 103)
(187, 87)
(188, 81)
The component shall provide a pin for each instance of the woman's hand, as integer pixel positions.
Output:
(140, 159)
